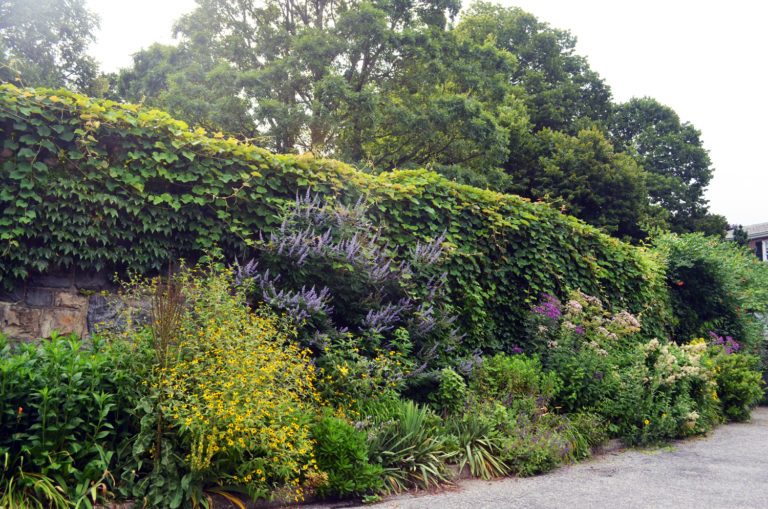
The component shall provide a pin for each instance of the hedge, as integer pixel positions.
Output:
(95, 184)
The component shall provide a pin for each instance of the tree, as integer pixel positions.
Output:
(43, 43)
(380, 83)
(671, 153)
(191, 85)
(740, 236)
(310, 68)
(560, 91)
(450, 105)
(587, 179)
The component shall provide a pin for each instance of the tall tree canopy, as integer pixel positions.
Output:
(43, 43)
(671, 152)
(377, 83)
(559, 88)
(585, 177)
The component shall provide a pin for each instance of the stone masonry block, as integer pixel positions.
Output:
(70, 299)
(65, 321)
(51, 280)
(39, 297)
(19, 321)
(15, 295)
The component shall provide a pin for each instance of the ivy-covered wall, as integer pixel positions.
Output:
(94, 185)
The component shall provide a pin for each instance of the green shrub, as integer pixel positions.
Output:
(451, 395)
(409, 445)
(61, 421)
(348, 378)
(474, 440)
(535, 443)
(667, 393)
(715, 286)
(585, 345)
(504, 376)
(646, 390)
(738, 383)
(587, 431)
(341, 453)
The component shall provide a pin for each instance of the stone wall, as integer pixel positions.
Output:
(68, 302)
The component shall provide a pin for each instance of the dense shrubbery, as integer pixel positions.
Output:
(61, 422)
(646, 389)
(715, 286)
(330, 362)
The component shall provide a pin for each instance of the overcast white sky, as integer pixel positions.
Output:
(705, 59)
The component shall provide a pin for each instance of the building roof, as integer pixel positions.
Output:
(754, 231)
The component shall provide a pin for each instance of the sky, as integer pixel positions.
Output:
(705, 59)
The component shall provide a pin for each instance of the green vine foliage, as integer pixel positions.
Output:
(94, 184)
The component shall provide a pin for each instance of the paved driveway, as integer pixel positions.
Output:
(726, 469)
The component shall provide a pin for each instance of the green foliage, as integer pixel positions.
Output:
(392, 301)
(539, 441)
(162, 192)
(588, 430)
(341, 452)
(405, 439)
(43, 43)
(504, 377)
(666, 393)
(671, 153)
(740, 236)
(187, 82)
(646, 390)
(61, 421)
(451, 394)
(348, 379)
(474, 439)
(714, 286)
(559, 89)
(586, 178)
(739, 383)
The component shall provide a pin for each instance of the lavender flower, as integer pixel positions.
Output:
(550, 307)
(728, 343)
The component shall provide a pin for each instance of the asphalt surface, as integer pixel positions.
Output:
(726, 469)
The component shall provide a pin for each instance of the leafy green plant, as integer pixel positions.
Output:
(586, 431)
(738, 383)
(452, 392)
(30, 490)
(714, 286)
(409, 446)
(535, 443)
(341, 452)
(227, 399)
(348, 378)
(504, 376)
(475, 440)
(61, 421)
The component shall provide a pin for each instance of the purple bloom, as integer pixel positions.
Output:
(549, 307)
(579, 330)
(728, 343)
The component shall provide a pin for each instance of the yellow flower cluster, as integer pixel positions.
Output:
(239, 390)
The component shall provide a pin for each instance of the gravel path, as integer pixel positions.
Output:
(726, 469)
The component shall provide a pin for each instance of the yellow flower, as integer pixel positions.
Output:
(647, 422)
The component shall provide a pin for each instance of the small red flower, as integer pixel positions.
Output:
(679, 283)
